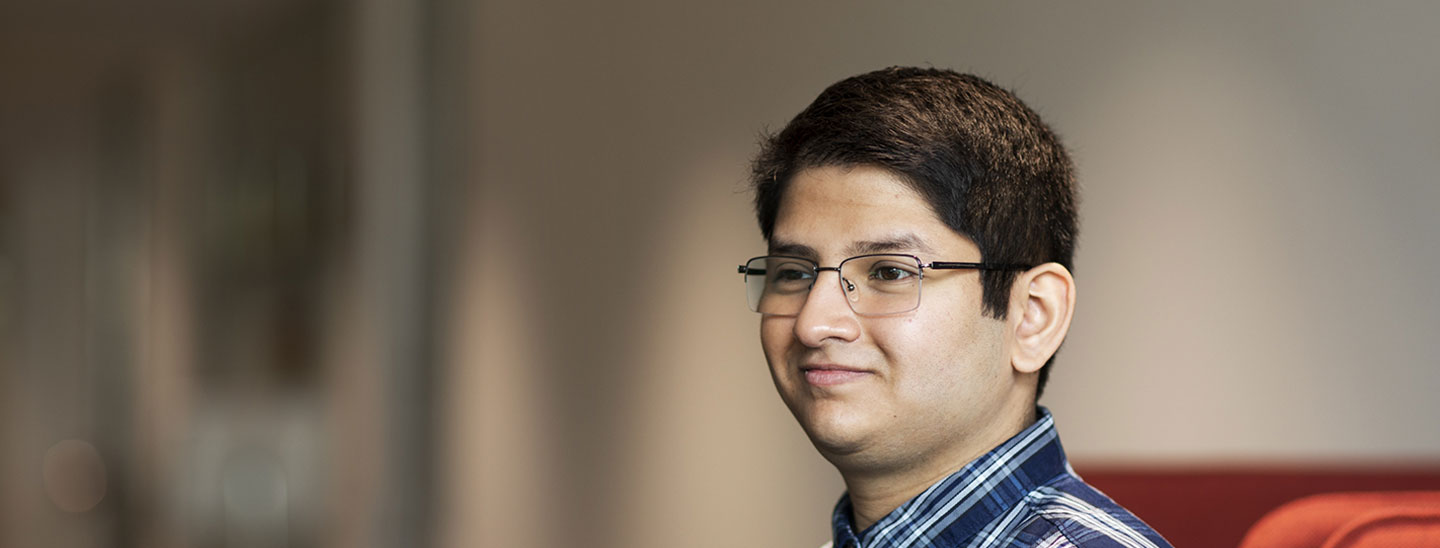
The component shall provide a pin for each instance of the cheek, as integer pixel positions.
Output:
(920, 336)
(776, 333)
(940, 350)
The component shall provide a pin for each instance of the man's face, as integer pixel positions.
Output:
(894, 390)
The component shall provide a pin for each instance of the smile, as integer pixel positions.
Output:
(832, 375)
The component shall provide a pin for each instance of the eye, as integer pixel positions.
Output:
(792, 276)
(888, 272)
(791, 273)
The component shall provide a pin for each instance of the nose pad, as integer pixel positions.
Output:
(850, 289)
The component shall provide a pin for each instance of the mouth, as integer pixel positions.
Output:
(832, 375)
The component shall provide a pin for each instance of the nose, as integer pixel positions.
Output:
(826, 314)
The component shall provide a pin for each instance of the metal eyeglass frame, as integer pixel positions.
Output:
(919, 265)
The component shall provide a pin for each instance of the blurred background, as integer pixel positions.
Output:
(352, 273)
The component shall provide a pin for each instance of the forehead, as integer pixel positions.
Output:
(855, 210)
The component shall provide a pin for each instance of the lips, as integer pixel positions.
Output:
(832, 375)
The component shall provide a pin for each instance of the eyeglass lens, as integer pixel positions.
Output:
(873, 284)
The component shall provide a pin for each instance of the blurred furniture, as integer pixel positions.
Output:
(1391, 528)
(1394, 519)
(1214, 507)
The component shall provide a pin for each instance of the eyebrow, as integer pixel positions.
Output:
(792, 249)
(899, 242)
(892, 244)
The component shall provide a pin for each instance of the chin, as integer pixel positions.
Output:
(836, 433)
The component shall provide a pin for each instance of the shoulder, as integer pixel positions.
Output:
(1070, 512)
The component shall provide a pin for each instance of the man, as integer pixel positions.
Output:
(926, 401)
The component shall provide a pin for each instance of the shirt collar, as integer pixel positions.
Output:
(961, 504)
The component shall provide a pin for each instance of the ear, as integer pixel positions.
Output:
(1042, 300)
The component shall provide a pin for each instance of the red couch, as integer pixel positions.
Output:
(1201, 507)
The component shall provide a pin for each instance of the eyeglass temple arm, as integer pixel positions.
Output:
(941, 265)
(747, 270)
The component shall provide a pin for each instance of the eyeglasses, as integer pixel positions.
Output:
(874, 285)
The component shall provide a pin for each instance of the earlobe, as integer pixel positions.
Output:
(1042, 303)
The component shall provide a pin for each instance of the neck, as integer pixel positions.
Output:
(875, 492)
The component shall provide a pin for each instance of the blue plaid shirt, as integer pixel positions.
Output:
(1022, 493)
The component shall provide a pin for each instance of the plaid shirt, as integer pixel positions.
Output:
(1022, 493)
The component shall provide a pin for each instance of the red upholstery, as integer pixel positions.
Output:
(1345, 519)
(1213, 507)
(1390, 528)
